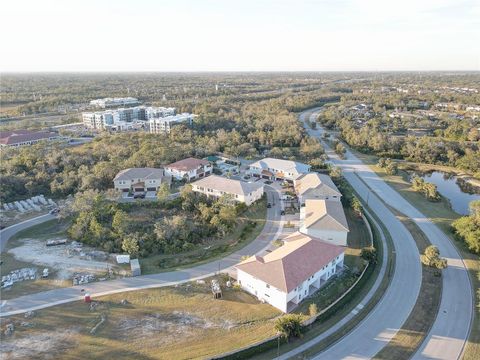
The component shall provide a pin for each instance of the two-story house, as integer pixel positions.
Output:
(241, 191)
(315, 186)
(140, 179)
(189, 169)
(324, 219)
(278, 169)
(292, 272)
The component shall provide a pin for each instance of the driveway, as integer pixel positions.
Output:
(270, 232)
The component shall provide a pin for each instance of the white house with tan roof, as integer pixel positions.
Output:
(140, 179)
(290, 273)
(270, 168)
(189, 169)
(240, 191)
(324, 219)
(316, 186)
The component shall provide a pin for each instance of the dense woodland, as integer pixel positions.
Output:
(452, 135)
(242, 115)
(149, 228)
(247, 125)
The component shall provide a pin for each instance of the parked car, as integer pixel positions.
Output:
(282, 212)
(139, 196)
(268, 182)
(269, 205)
(54, 211)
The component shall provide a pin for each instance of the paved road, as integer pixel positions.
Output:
(270, 232)
(378, 328)
(450, 330)
(8, 232)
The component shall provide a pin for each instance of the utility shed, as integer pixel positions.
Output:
(135, 267)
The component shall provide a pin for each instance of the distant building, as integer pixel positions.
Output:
(241, 191)
(132, 118)
(189, 169)
(324, 219)
(26, 137)
(165, 124)
(159, 112)
(292, 272)
(114, 102)
(140, 179)
(270, 168)
(316, 186)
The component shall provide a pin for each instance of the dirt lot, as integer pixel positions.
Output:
(64, 259)
(182, 322)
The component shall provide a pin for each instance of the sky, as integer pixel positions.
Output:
(239, 35)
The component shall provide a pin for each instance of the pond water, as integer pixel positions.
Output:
(453, 189)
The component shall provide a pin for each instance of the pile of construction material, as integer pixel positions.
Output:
(76, 249)
(79, 279)
(34, 203)
(18, 275)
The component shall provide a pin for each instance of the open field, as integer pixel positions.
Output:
(182, 322)
(442, 215)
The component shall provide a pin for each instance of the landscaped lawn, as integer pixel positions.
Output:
(183, 322)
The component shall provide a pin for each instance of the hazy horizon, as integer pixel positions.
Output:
(240, 36)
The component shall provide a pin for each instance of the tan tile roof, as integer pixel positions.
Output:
(325, 215)
(187, 164)
(229, 186)
(140, 173)
(314, 184)
(291, 264)
(286, 166)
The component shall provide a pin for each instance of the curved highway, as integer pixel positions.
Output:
(449, 333)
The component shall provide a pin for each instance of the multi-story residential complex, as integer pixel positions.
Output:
(241, 191)
(324, 219)
(164, 124)
(270, 168)
(292, 272)
(315, 186)
(159, 112)
(26, 137)
(140, 179)
(114, 102)
(189, 169)
(125, 118)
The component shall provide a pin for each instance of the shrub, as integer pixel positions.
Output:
(313, 309)
(369, 254)
(289, 326)
(431, 257)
